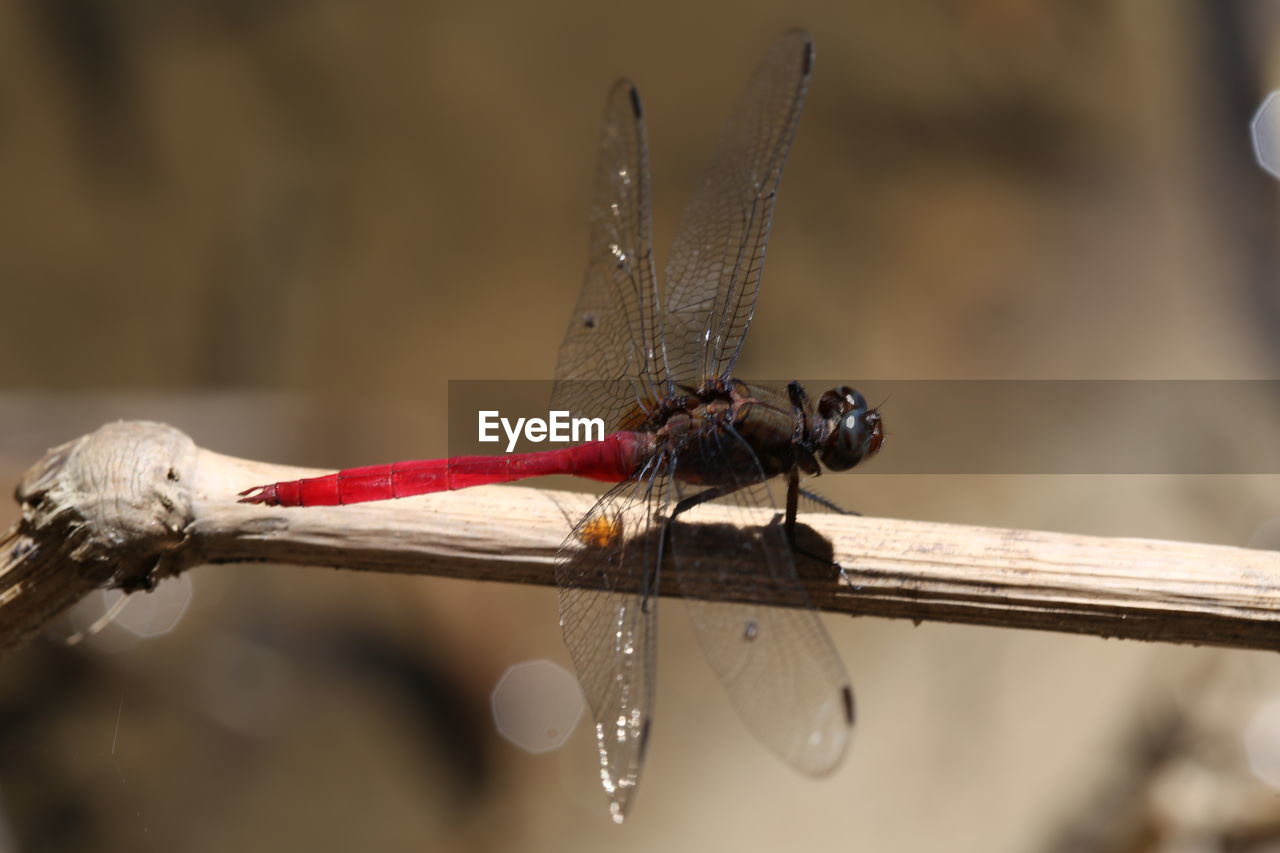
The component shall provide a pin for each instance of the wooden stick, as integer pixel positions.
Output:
(135, 502)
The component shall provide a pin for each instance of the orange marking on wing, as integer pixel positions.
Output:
(600, 532)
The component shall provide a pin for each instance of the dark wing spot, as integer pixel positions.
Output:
(589, 321)
(806, 67)
(635, 103)
(846, 693)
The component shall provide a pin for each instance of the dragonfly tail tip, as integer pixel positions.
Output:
(259, 495)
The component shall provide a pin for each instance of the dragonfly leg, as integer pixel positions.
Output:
(798, 396)
(794, 491)
(802, 440)
(793, 503)
(827, 503)
(664, 541)
(700, 498)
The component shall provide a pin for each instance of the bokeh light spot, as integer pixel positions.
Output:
(155, 613)
(1265, 131)
(537, 705)
(1262, 742)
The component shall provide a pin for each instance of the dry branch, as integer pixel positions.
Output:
(135, 502)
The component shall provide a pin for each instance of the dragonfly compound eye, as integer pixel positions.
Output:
(852, 431)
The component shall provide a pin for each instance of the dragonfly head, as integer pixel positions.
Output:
(850, 432)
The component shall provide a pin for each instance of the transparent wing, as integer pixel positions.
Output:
(778, 664)
(607, 572)
(713, 274)
(609, 361)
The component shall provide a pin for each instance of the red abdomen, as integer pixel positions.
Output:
(612, 459)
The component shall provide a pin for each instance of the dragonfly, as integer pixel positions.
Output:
(684, 435)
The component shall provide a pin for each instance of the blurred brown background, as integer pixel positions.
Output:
(284, 226)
